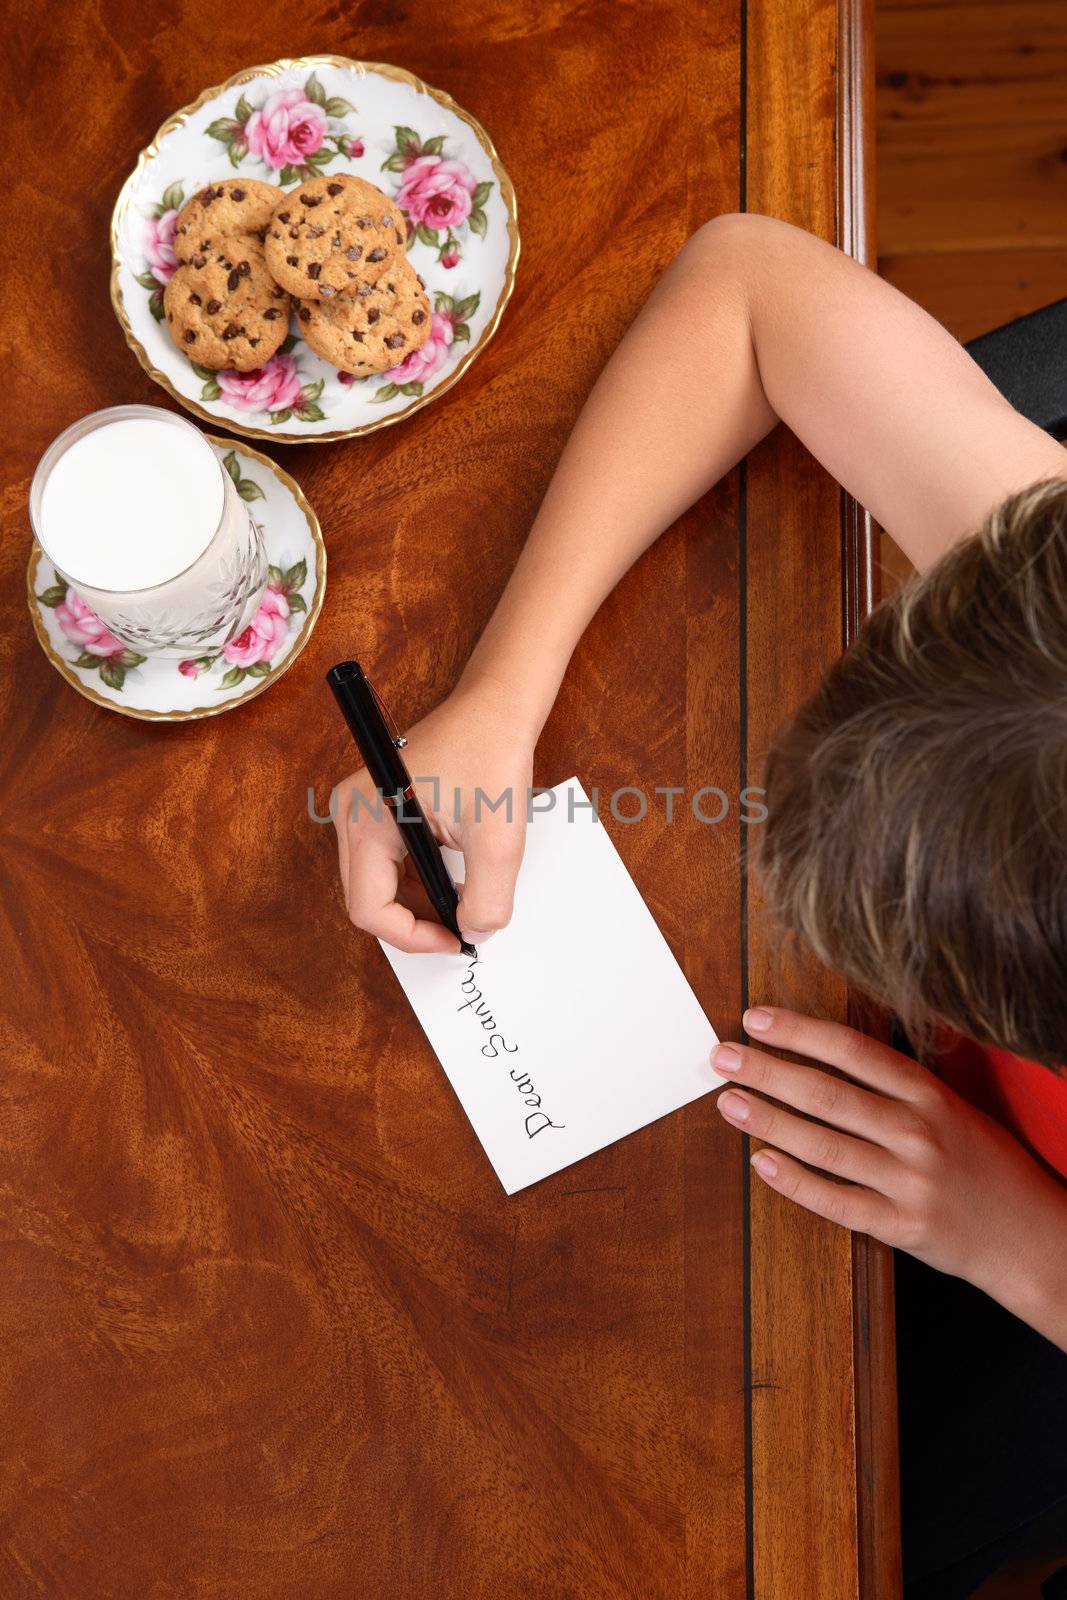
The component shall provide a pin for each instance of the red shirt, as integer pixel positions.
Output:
(1025, 1097)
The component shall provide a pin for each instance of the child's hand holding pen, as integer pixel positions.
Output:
(462, 757)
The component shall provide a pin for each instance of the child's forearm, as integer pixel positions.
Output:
(659, 428)
(754, 321)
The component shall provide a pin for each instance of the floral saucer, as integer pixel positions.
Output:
(285, 123)
(161, 688)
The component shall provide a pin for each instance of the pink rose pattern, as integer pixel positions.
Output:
(448, 325)
(99, 650)
(286, 130)
(264, 633)
(292, 132)
(82, 626)
(251, 654)
(422, 364)
(158, 245)
(275, 388)
(438, 194)
(272, 387)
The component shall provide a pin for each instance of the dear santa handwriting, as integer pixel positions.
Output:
(537, 1119)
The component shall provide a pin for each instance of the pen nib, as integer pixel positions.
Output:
(468, 949)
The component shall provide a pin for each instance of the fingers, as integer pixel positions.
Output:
(492, 856)
(842, 1104)
(864, 1059)
(811, 1142)
(849, 1205)
(382, 893)
(373, 882)
(411, 893)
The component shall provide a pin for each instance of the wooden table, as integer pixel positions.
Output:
(270, 1326)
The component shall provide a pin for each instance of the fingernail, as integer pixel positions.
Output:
(757, 1021)
(477, 935)
(733, 1106)
(765, 1165)
(726, 1058)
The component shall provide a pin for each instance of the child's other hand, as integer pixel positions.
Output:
(911, 1162)
(468, 744)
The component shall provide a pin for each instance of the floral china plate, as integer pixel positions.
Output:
(160, 688)
(285, 123)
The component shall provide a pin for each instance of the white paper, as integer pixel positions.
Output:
(576, 1025)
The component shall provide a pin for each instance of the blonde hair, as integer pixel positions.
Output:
(917, 831)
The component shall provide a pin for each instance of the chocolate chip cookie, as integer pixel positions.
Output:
(332, 234)
(227, 311)
(223, 211)
(375, 328)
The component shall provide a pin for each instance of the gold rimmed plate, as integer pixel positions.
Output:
(162, 689)
(282, 124)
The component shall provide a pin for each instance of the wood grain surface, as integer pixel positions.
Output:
(971, 156)
(970, 63)
(972, 291)
(269, 1326)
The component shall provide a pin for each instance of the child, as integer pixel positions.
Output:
(916, 834)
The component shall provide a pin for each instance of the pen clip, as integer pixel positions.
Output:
(391, 728)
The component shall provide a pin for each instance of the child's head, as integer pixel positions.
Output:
(917, 835)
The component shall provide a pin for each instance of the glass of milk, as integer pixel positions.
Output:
(136, 511)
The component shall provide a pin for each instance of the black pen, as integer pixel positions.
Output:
(380, 745)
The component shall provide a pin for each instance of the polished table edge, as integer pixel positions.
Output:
(824, 1494)
(874, 1333)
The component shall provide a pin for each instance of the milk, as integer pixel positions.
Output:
(137, 513)
(132, 504)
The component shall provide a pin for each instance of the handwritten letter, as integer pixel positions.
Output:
(575, 1026)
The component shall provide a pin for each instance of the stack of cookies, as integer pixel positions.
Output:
(333, 249)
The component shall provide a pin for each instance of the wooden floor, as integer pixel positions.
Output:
(972, 209)
(971, 162)
(972, 156)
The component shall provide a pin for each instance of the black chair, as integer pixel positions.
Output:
(1051, 1545)
(1027, 360)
